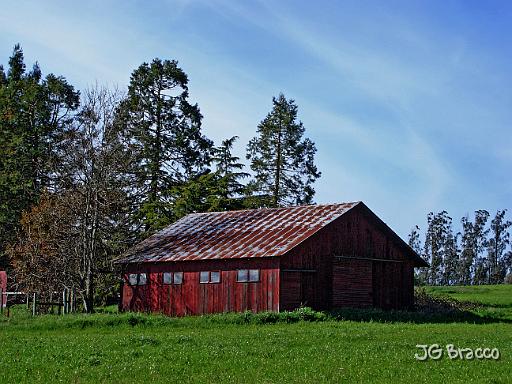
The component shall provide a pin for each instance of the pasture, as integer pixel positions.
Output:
(303, 347)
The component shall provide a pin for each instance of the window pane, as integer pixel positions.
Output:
(204, 276)
(242, 275)
(167, 277)
(142, 279)
(132, 279)
(254, 275)
(178, 277)
(215, 277)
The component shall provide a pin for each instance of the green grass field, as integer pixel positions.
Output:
(241, 348)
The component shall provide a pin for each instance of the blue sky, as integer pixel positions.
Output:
(409, 103)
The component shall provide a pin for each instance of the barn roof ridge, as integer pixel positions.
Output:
(276, 208)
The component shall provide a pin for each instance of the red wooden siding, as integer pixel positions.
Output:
(194, 298)
(352, 284)
(351, 262)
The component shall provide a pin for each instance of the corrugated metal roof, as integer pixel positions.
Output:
(235, 234)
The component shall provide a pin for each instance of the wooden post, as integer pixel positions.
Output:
(34, 304)
(64, 301)
(51, 301)
(72, 300)
(27, 299)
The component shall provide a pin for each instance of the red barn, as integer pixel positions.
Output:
(321, 256)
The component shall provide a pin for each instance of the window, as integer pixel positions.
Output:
(132, 279)
(204, 277)
(248, 275)
(242, 276)
(142, 279)
(178, 278)
(167, 278)
(173, 278)
(215, 277)
(254, 275)
(137, 279)
(209, 277)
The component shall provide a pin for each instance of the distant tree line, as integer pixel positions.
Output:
(84, 175)
(477, 254)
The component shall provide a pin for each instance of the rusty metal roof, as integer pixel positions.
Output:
(251, 233)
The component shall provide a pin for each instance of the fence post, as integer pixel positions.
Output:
(28, 305)
(64, 301)
(34, 304)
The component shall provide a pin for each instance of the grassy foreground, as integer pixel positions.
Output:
(241, 348)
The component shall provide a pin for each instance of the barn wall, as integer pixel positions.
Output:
(306, 273)
(194, 298)
(336, 267)
(352, 284)
(385, 280)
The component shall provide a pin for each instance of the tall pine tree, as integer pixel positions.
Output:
(165, 130)
(282, 160)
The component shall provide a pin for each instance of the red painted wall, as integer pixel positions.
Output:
(3, 285)
(194, 298)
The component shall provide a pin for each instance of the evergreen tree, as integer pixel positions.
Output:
(283, 162)
(496, 246)
(213, 191)
(34, 115)
(229, 172)
(166, 137)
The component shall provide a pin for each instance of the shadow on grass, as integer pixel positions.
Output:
(431, 309)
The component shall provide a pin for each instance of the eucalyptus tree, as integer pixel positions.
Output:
(498, 241)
